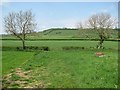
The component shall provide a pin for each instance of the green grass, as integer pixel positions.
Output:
(71, 69)
(77, 69)
(14, 59)
(56, 45)
(63, 34)
(64, 69)
(0, 59)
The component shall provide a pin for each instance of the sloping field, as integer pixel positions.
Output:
(63, 34)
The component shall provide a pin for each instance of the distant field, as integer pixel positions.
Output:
(64, 34)
(57, 45)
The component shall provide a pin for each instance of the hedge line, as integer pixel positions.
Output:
(27, 48)
(46, 48)
(64, 39)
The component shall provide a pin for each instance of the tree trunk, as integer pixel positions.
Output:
(23, 41)
(100, 44)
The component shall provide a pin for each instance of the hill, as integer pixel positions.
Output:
(64, 33)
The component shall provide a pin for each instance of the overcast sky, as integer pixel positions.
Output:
(60, 14)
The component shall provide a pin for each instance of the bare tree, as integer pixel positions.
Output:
(80, 25)
(102, 23)
(19, 24)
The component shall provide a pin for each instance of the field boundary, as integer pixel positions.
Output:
(63, 39)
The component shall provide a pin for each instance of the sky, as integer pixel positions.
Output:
(60, 14)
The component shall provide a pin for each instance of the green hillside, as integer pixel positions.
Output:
(64, 33)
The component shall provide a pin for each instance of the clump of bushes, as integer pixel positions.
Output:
(6, 48)
(32, 48)
(72, 48)
(80, 48)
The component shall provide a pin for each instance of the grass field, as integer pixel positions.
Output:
(64, 34)
(64, 69)
(75, 69)
(14, 59)
(56, 45)
(59, 68)
(59, 45)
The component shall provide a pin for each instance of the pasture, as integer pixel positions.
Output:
(64, 34)
(60, 68)
(58, 44)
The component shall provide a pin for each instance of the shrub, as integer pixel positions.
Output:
(32, 48)
(46, 49)
(72, 48)
(5, 48)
